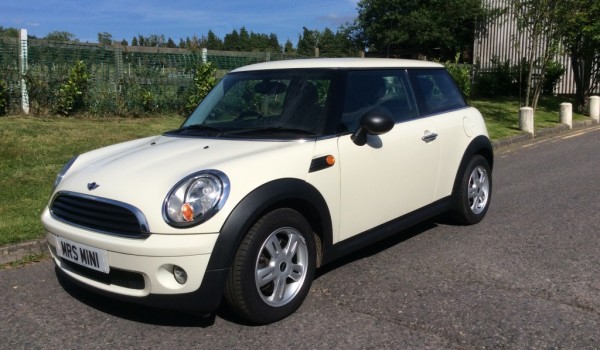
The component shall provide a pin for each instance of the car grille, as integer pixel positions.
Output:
(99, 214)
(117, 277)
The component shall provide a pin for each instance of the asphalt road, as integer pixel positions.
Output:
(527, 277)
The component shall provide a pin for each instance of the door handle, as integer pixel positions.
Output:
(429, 137)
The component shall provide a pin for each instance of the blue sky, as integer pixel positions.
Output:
(176, 18)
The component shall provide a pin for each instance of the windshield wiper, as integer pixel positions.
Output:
(272, 130)
(197, 127)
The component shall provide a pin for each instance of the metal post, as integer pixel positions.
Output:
(23, 70)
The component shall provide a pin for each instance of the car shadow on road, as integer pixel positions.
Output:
(132, 311)
(381, 246)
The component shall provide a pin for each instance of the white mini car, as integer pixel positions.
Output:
(282, 168)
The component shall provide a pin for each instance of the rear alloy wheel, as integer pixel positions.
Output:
(475, 191)
(273, 268)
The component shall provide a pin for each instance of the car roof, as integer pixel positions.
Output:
(340, 63)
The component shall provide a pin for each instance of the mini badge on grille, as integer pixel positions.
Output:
(92, 186)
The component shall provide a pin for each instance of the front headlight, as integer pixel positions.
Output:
(62, 172)
(196, 198)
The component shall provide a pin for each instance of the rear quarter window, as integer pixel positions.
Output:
(435, 91)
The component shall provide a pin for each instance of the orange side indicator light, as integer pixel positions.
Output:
(330, 160)
(187, 211)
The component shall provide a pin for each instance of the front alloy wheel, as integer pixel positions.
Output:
(273, 268)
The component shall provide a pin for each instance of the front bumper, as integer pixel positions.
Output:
(141, 270)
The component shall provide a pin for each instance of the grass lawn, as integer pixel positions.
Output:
(32, 151)
(502, 114)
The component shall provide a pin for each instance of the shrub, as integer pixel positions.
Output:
(3, 97)
(461, 73)
(71, 94)
(554, 72)
(205, 78)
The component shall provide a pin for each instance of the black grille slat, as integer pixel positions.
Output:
(99, 214)
(95, 219)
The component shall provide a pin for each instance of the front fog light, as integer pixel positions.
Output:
(179, 274)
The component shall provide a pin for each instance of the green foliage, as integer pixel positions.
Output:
(506, 79)
(3, 97)
(61, 36)
(9, 32)
(580, 32)
(104, 38)
(330, 44)
(71, 93)
(205, 78)
(461, 73)
(437, 27)
(554, 71)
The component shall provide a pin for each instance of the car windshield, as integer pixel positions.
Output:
(264, 104)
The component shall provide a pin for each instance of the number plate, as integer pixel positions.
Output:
(82, 254)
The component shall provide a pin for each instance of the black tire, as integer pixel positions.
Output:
(286, 275)
(474, 192)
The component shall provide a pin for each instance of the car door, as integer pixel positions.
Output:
(392, 174)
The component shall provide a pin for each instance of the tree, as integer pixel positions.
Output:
(61, 36)
(104, 38)
(308, 42)
(327, 43)
(401, 27)
(171, 43)
(288, 47)
(134, 41)
(9, 32)
(539, 21)
(213, 42)
(580, 33)
(231, 41)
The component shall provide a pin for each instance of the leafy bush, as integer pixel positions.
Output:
(504, 79)
(554, 72)
(496, 82)
(71, 94)
(205, 78)
(3, 97)
(461, 73)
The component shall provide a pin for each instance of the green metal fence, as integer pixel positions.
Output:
(123, 80)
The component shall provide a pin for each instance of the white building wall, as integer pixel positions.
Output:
(503, 40)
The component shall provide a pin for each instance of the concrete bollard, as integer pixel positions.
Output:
(595, 108)
(526, 120)
(566, 114)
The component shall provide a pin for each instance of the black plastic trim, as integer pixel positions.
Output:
(291, 193)
(207, 298)
(345, 247)
(480, 145)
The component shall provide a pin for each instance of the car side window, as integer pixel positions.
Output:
(435, 90)
(386, 91)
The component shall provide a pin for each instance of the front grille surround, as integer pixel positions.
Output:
(99, 214)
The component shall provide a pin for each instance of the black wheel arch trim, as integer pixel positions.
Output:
(291, 193)
(288, 192)
(480, 145)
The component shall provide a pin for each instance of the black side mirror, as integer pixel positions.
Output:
(373, 123)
